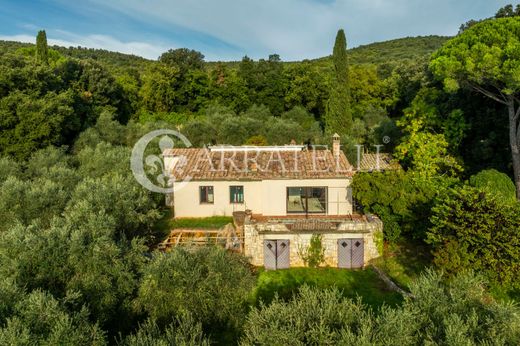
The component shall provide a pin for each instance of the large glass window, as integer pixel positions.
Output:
(206, 194)
(236, 194)
(307, 200)
(296, 200)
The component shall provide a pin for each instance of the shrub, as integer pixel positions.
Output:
(314, 254)
(403, 200)
(257, 140)
(496, 183)
(39, 319)
(456, 312)
(472, 229)
(185, 332)
(8, 167)
(209, 283)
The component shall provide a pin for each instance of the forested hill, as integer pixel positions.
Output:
(394, 50)
(116, 59)
(374, 53)
(76, 85)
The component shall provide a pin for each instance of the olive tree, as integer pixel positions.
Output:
(438, 312)
(209, 283)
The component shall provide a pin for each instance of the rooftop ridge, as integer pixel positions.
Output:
(226, 147)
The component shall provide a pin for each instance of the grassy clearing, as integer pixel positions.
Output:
(353, 283)
(403, 262)
(213, 222)
(167, 223)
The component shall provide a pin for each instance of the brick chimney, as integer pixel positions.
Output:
(336, 147)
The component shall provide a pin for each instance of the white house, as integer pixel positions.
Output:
(280, 196)
(273, 180)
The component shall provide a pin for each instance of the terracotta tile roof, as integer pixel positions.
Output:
(206, 164)
(369, 162)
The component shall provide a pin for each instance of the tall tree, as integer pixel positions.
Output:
(339, 116)
(183, 58)
(486, 58)
(42, 53)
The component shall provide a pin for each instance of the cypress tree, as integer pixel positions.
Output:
(42, 54)
(338, 118)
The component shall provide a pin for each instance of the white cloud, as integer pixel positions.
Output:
(294, 29)
(67, 39)
(290, 28)
(298, 29)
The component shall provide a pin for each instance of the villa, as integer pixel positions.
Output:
(279, 196)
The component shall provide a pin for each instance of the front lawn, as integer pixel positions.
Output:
(404, 261)
(353, 283)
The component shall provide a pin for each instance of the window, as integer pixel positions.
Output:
(236, 194)
(296, 200)
(307, 200)
(206, 194)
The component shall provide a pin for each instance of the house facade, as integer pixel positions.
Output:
(283, 195)
(277, 181)
(276, 197)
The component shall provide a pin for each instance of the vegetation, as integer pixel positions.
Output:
(314, 254)
(454, 312)
(404, 261)
(485, 58)
(494, 183)
(202, 223)
(338, 117)
(403, 200)
(209, 284)
(363, 284)
(42, 51)
(473, 230)
(77, 264)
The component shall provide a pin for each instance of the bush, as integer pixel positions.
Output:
(121, 197)
(209, 283)
(472, 229)
(457, 312)
(402, 200)
(496, 183)
(314, 254)
(185, 332)
(76, 256)
(312, 317)
(39, 319)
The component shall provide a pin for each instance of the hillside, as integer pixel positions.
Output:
(407, 48)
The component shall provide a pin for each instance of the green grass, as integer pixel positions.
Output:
(166, 223)
(353, 283)
(213, 222)
(404, 261)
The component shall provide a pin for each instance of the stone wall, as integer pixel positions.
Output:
(256, 233)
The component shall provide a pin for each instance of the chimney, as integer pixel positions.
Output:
(336, 147)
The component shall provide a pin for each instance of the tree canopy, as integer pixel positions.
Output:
(486, 58)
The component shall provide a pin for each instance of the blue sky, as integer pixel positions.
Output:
(230, 29)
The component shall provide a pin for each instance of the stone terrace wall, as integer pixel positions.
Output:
(256, 233)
